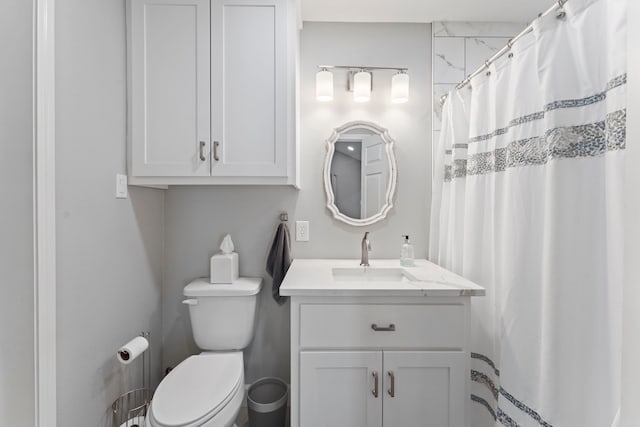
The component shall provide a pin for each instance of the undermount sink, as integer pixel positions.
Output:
(369, 274)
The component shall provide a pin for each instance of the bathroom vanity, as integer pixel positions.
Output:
(378, 346)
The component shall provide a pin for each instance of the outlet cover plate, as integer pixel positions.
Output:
(302, 231)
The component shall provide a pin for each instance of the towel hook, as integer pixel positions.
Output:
(284, 217)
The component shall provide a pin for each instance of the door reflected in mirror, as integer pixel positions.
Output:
(360, 173)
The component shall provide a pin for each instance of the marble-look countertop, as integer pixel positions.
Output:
(314, 277)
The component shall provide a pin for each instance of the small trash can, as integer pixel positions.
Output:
(267, 403)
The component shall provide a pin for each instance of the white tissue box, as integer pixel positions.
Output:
(224, 268)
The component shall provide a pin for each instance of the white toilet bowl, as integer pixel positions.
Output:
(205, 390)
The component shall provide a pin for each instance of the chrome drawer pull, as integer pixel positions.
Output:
(392, 387)
(216, 144)
(202, 145)
(390, 328)
(375, 384)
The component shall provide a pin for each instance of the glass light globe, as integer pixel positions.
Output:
(324, 85)
(362, 86)
(400, 88)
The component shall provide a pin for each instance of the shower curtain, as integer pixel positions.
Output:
(527, 203)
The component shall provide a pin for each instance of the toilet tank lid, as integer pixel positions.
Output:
(243, 286)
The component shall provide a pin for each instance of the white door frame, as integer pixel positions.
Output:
(44, 214)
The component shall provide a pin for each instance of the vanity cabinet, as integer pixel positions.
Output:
(212, 92)
(379, 361)
(383, 346)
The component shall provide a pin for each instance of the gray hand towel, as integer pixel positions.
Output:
(279, 260)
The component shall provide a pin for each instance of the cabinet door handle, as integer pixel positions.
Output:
(202, 145)
(390, 328)
(375, 384)
(215, 151)
(392, 382)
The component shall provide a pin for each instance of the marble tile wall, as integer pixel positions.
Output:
(459, 48)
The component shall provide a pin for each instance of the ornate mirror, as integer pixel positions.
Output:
(360, 173)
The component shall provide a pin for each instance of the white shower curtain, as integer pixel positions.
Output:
(527, 203)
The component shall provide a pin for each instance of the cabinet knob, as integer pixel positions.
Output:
(390, 328)
(375, 384)
(392, 384)
(202, 145)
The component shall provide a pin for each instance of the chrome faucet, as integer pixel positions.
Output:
(366, 247)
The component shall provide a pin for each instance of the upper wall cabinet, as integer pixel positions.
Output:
(212, 92)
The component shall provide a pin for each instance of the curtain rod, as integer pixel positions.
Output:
(361, 67)
(557, 6)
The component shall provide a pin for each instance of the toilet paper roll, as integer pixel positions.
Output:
(134, 348)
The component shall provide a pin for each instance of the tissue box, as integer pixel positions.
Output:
(224, 268)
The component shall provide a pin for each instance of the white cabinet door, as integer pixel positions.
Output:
(249, 87)
(169, 62)
(337, 389)
(424, 388)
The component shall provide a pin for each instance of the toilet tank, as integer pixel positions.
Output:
(222, 316)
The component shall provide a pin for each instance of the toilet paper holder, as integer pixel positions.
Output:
(130, 409)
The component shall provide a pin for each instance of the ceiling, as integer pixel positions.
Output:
(422, 10)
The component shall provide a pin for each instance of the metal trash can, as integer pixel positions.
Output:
(130, 409)
(267, 402)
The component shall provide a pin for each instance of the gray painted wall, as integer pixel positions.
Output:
(16, 227)
(109, 250)
(197, 218)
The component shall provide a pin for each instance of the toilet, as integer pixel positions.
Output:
(207, 389)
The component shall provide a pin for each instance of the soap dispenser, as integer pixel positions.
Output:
(406, 253)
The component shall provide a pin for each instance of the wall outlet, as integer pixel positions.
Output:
(121, 186)
(302, 231)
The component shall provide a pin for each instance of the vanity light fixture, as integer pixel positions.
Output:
(324, 85)
(360, 82)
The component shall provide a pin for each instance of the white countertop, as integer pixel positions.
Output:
(314, 277)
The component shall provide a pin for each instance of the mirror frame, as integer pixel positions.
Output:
(391, 188)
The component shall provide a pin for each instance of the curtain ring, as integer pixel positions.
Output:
(561, 14)
(487, 64)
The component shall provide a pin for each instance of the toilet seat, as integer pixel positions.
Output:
(197, 390)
